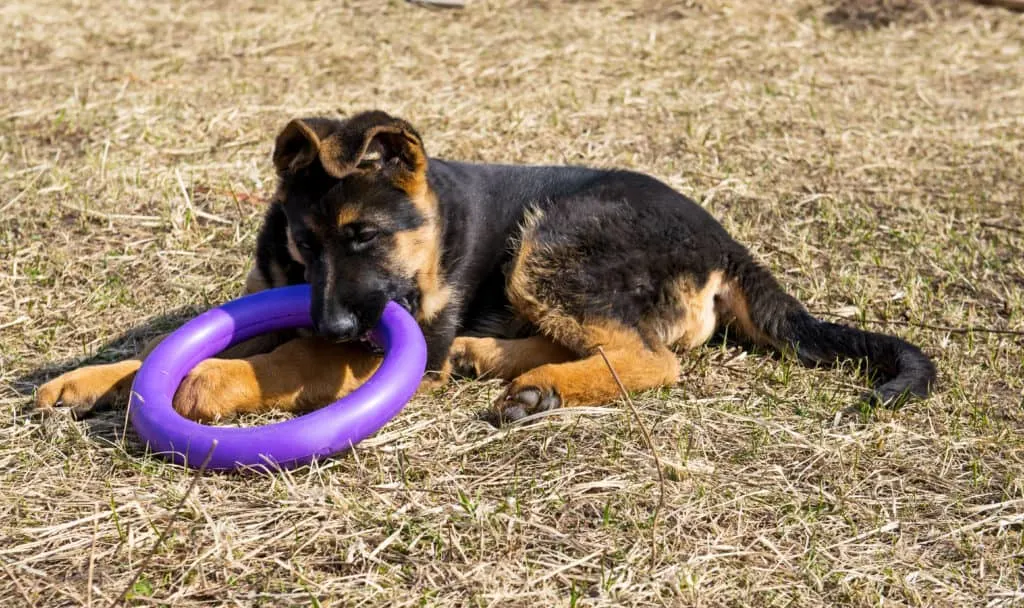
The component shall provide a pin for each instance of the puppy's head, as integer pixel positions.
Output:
(362, 218)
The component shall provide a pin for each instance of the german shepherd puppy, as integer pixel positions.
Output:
(515, 272)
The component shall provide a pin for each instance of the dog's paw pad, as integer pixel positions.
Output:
(519, 403)
(511, 413)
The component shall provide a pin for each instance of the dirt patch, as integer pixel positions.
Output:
(868, 14)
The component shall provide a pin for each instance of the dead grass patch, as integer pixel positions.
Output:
(877, 171)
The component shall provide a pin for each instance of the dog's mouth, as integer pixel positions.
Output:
(408, 302)
(366, 341)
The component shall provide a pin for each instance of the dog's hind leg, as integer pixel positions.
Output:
(587, 380)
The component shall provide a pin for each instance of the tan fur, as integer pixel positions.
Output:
(687, 315)
(434, 379)
(82, 389)
(417, 253)
(349, 213)
(414, 180)
(587, 381)
(732, 310)
(97, 385)
(422, 248)
(519, 287)
(563, 359)
(331, 157)
(254, 282)
(506, 359)
(301, 374)
(691, 313)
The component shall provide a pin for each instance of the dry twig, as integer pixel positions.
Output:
(654, 453)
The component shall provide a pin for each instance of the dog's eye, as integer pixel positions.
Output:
(365, 234)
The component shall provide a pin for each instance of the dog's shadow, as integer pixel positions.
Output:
(107, 423)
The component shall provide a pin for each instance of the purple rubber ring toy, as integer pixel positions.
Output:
(321, 433)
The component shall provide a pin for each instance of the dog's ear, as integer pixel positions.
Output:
(375, 141)
(298, 144)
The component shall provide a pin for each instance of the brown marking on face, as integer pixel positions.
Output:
(374, 146)
(349, 213)
(417, 255)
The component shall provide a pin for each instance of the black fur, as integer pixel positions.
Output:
(900, 368)
(272, 257)
(613, 241)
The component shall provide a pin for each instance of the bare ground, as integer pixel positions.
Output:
(877, 169)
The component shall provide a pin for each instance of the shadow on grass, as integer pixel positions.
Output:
(124, 346)
(109, 422)
(105, 422)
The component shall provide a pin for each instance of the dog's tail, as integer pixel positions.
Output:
(772, 317)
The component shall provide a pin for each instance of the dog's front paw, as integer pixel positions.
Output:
(521, 401)
(463, 360)
(218, 388)
(89, 388)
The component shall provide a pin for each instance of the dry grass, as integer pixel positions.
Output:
(878, 170)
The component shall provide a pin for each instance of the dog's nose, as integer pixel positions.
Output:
(339, 326)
